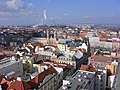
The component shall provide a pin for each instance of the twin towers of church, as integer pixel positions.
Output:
(51, 34)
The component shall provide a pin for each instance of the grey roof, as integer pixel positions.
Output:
(79, 81)
(116, 84)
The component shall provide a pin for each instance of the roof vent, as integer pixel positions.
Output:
(18, 78)
(79, 80)
(79, 75)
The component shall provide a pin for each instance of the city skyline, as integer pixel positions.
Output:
(26, 12)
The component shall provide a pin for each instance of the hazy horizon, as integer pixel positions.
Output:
(28, 12)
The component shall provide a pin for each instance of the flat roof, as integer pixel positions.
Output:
(7, 62)
(79, 80)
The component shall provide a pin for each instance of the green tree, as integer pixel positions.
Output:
(26, 66)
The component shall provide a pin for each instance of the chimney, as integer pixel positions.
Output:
(19, 79)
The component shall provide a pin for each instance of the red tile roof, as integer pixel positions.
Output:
(37, 44)
(106, 35)
(116, 41)
(101, 58)
(19, 85)
(40, 77)
(89, 67)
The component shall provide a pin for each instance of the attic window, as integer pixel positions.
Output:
(69, 87)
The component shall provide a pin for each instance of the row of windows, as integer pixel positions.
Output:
(53, 83)
(66, 59)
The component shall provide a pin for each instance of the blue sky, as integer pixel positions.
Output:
(25, 12)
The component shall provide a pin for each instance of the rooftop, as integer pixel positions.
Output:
(101, 58)
(19, 85)
(7, 61)
(89, 68)
(40, 77)
(79, 80)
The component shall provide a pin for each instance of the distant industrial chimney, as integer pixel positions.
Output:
(48, 34)
(55, 35)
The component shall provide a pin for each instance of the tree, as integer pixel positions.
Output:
(26, 66)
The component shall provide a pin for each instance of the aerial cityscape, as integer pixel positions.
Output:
(59, 45)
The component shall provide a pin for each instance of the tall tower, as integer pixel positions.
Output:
(48, 34)
(55, 35)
